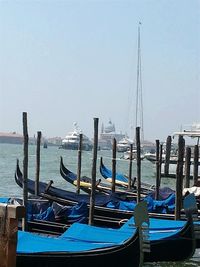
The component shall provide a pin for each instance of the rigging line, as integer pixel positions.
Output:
(137, 86)
(141, 101)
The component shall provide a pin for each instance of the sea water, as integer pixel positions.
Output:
(49, 170)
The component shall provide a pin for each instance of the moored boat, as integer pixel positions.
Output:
(71, 140)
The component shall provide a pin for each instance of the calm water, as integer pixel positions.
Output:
(49, 170)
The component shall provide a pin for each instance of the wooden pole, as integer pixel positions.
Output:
(25, 169)
(160, 163)
(94, 164)
(130, 166)
(157, 169)
(9, 215)
(167, 156)
(114, 151)
(37, 174)
(179, 178)
(196, 164)
(79, 163)
(138, 164)
(187, 166)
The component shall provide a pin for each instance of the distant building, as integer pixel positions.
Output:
(11, 138)
(106, 136)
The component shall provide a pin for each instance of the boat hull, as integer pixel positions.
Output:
(116, 256)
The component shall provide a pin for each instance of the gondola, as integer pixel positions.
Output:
(71, 178)
(103, 215)
(115, 206)
(36, 250)
(169, 240)
(122, 180)
(85, 183)
(90, 245)
(105, 188)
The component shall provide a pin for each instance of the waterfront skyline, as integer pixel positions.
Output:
(70, 61)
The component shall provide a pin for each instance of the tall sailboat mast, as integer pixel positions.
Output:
(139, 99)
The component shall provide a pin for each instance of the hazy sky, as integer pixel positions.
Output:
(71, 61)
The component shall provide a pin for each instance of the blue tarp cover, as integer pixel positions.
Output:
(33, 243)
(159, 206)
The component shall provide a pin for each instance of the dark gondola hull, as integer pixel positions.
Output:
(116, 256)
(178, 248)
(109, 217)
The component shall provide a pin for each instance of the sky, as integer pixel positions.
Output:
(73, 61)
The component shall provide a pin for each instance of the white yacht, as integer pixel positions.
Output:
(124, 145)
(71, 140)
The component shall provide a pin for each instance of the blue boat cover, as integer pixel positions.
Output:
(58, 213)
(34, 243)
(85, 232)
(158, 228)
(156, 206)
(4, 199)
(79, 237)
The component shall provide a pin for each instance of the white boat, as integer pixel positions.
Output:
(127, 154)
(124, 145)
(71, 140)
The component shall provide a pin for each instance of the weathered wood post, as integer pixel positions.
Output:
(138, 164)
(130, 167)
(9, 215)
(179, 177)
(196, 164)
(94, 164)
(160, 163)
(114, 149)
(157, 169)
(167, 156)
(79, 163)
(187, 166)
(25, 168)
(37, 173)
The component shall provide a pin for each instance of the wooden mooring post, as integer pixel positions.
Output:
(94, 166)
(130, 167)
(37, 173)
(9, 215)
(160, 163)
(79, 163)
(25, 168)
(179, 177)
(187, 166)
(196, 164)
(114, 152)
(157, 169)
(167, 156)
